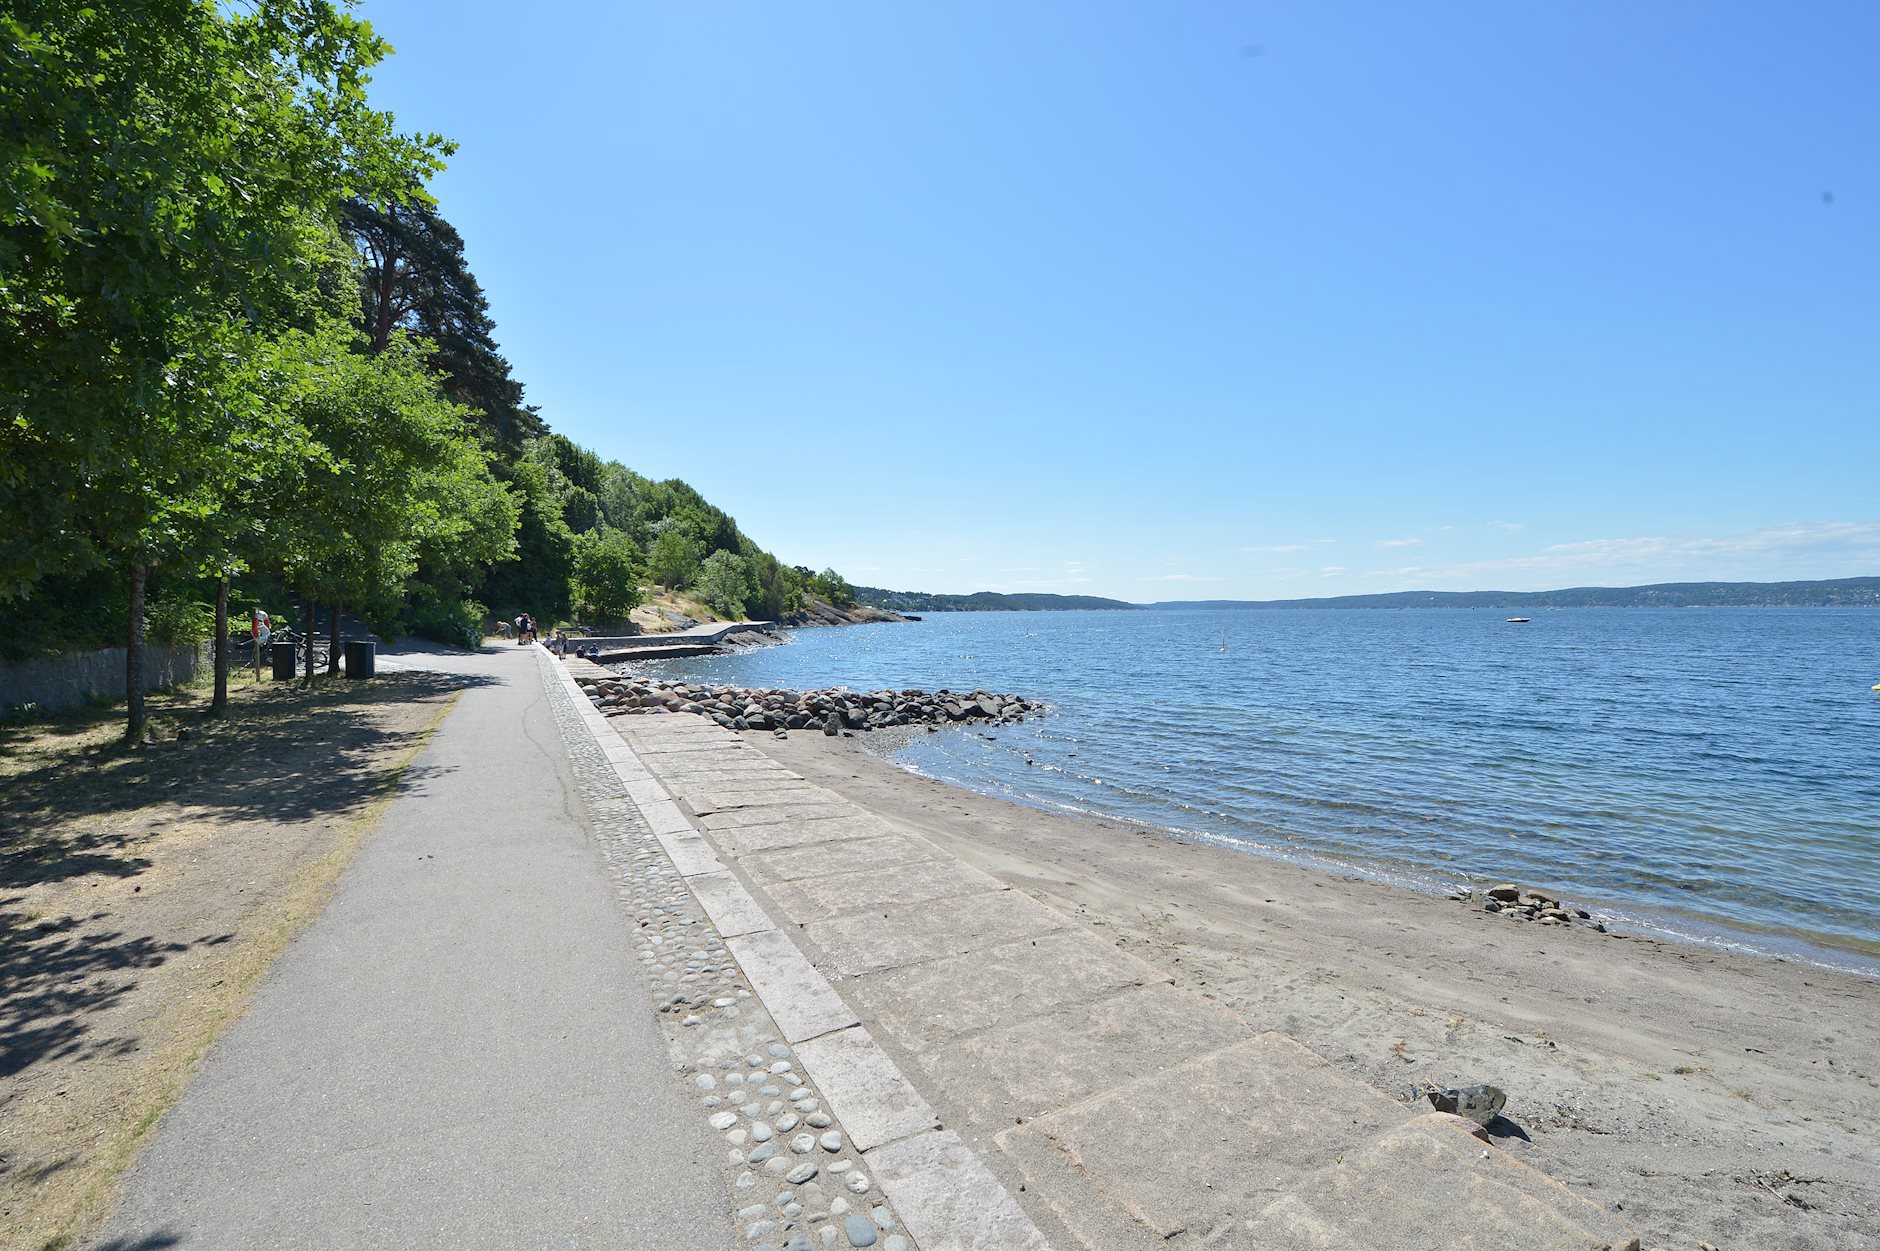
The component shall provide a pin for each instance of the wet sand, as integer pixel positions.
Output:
(1715, 1097)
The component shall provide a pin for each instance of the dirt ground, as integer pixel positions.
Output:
(1709, 1098)
(143, 892)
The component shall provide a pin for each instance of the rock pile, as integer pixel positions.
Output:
(832, 711)
(1516, 904)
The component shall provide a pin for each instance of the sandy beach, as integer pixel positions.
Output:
(1712, 1098)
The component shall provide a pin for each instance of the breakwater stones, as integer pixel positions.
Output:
(832, 711)
(1518, 904)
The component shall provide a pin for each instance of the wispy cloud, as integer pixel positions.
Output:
(1183, 577)
(1798, 550)
(1388, 543)
(1510, 526)
(1276, 547)
(1331, 571)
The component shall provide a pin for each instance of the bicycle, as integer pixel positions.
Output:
(247, 652)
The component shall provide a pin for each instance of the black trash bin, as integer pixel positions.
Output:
(283, 654)
(361, 657)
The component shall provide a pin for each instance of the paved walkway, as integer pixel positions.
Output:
(460, 1052)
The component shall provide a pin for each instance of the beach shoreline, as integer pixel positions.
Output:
(1709, 1095)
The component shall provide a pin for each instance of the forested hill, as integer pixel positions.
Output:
(1837, 593)
(980, 601)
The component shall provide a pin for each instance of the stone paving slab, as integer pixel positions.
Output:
(923, 1006)
(704, 799)
(948, 1199)
(669, 745)
(1039, 1064)
(703, 769)
(690, 854)
(878, 1104)
(844, 857)
(665, 818)
(776, 814)
(775, 837)
(646, 792)
(800, 999)
(870, 890)
(1442, 1188)
(728, 904)
(1123, 1162)
(931, 929)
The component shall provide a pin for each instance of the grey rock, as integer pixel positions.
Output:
(859, 1230)
(801, 1173)
(832, 1141)
(1480, 1104)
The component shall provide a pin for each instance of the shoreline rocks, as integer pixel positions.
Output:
(1519, 904)
(834, 710)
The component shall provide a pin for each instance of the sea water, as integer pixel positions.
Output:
(1708, 773)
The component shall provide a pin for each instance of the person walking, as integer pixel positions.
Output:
(522, 628)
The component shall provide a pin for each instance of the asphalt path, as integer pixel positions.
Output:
(460, 1051)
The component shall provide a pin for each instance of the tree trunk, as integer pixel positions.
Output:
(219, 704)
(134, 657)
(307, 628)
(332, 644)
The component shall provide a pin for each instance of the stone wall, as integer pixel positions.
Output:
(62, 682)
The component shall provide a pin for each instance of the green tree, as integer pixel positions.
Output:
(833, 587)
(392, 471)
(413, 277)
(169, 174)
(607, 568)
(538, 579)
(674, 558)
(724, 582)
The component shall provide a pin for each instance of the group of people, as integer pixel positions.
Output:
(559, 645)
(558, 642)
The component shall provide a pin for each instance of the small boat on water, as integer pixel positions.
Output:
(1519, 620)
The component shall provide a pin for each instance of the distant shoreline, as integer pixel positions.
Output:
(1832, 593)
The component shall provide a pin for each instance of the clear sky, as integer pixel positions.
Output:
(1193, 300)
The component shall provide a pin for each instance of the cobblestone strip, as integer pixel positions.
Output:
(793, 1176)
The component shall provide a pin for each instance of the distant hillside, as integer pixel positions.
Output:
(982, 601)
(1839, 593)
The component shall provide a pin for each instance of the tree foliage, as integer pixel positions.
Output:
(237, 338)
(169, 173)
(607, 571)
(413, 277)
(724, 582)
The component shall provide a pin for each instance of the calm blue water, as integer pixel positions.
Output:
(1711, 772)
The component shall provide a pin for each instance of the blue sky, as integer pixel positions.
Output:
(1184, 300)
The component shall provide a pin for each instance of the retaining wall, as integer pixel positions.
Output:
(61, 682)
